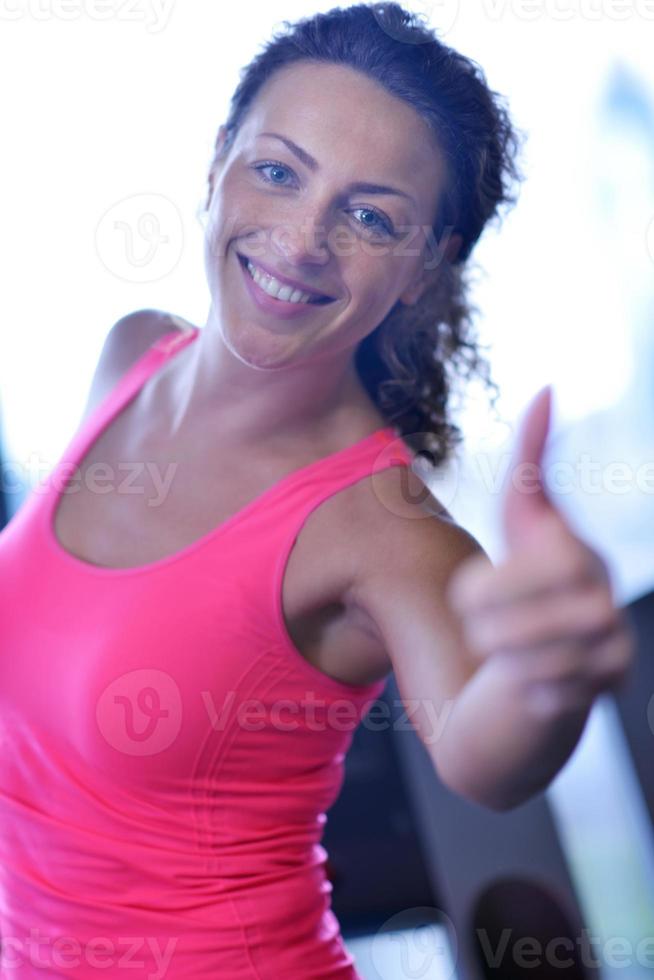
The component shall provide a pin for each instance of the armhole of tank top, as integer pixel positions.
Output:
(283, 636)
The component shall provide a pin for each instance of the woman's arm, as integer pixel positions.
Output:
(472, 718)
(487, 737)
(498, 665)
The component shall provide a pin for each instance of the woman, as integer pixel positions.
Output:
(182, 674)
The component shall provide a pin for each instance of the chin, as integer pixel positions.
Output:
(259, 348)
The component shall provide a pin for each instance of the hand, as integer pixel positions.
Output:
(547, 608)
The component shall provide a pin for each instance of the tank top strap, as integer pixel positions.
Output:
(169, 342)
(391, 447)
(365, 460)
(161, 350)
(278, 515)
(122, 391)
(136, 376)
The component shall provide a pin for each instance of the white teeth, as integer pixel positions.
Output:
(277, 289)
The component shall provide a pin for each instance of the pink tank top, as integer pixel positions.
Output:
(167, 755)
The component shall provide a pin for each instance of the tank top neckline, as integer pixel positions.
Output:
(116, 401)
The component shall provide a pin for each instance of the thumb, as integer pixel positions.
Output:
(526, 505)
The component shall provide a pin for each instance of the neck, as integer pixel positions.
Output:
(211, 387)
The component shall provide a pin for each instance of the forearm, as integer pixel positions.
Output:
(495, 748)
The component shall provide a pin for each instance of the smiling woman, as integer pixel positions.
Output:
(202, 641)
(448, 163)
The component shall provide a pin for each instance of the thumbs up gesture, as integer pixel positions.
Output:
(548, 606)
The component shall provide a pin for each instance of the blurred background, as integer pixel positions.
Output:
(109, 115)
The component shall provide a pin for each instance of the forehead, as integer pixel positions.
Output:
(318, 105)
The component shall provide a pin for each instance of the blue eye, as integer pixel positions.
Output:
(381, 222)
(265, 166)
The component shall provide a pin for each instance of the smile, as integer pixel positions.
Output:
(278, 290)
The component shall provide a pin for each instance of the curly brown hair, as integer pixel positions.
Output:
(405, 363)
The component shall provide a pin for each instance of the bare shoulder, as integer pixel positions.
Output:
(127, 340)
(408, 547)
(405, 524)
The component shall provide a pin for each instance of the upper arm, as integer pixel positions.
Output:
(126, 341)
(403, 592)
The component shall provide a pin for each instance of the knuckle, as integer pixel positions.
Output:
(573, 561)
(576, 667)
(613, 666)
(626, 653)
(600, 612)
(569, 675)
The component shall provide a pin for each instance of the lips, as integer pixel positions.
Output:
(317, 297)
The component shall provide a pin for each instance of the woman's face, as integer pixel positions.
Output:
(300, 214)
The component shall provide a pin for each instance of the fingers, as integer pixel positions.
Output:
(570, 676)
(567, 676)
(478, 587)
(546, 618)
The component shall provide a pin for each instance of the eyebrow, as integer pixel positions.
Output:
(363, 187)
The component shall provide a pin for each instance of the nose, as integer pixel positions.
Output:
(302, 244)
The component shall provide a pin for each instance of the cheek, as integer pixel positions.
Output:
(220, 237)
(377, 295)
(226, 216)
(210, 251)
(376, 281)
